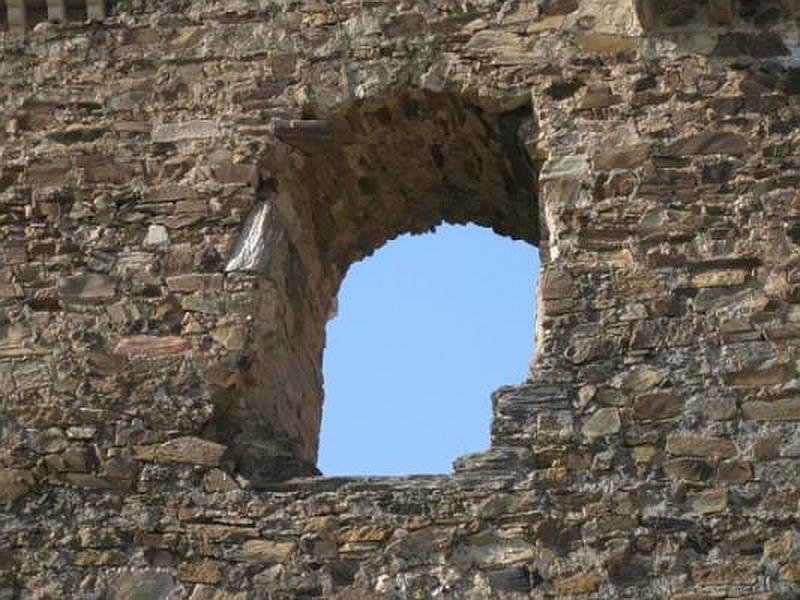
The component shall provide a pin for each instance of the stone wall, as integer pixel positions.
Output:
(185, 183)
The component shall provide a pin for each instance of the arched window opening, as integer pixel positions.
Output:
(426, 329)
(336, 188)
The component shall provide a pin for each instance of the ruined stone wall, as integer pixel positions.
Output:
(185, 183)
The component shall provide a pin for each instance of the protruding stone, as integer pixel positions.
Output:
(151, 345)
(257, 241)
(191, 450)
(157, 237)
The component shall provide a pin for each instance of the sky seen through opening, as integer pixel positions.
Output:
(426, 329)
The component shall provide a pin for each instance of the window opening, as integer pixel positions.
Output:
(427, 328)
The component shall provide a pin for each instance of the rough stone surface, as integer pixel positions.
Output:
(184, 185)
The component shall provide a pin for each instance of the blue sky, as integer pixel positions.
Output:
(427, 328)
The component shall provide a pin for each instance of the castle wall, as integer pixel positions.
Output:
(183, 186)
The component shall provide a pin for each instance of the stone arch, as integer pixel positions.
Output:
(334, 191)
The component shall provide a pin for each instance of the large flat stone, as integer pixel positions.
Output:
(657, 406)
(152, 345)
(698, 444)
(267, 551)
(188, 130)
(87, 287)
(190, 449)
(787, 409)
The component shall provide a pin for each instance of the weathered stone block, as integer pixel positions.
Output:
(734, 471)
(190, 450)
(151, 345)
(711, 142)
(604, 422)
(556, 285)
(786, 409)
(713, 279)
(87, 287)
(623, 158)
(698, 444)
(516, 579)
(654, 407)
(141, 584)
(690, 469)
(709, 501)
(193, 282)
(756, 376)
(582, 583)
(188, 130)
(217, 480)
(605, 43)
(267, 551)
(366, 533)
(205, 571)
(15, 484)
(741, 572)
